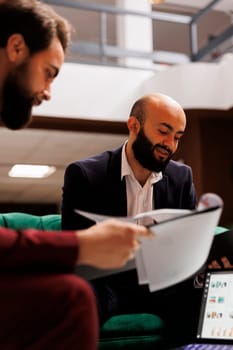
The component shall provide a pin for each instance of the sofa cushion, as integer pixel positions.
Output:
(137, 331)
(220, 229)
(20, 221)
(133, 324)
(51, 222)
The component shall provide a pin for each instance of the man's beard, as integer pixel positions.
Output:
(144, 153)
(16, 102)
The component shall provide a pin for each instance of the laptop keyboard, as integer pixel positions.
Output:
(205, 347)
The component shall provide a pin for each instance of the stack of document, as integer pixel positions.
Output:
(178, 249)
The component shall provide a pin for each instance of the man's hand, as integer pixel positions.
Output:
(225, 263)
(200, 278)
(109, 244)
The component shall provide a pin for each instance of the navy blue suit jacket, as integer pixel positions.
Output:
(95, 185)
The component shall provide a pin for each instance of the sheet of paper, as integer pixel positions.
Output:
(179, 248)
(100, 217)
(158, 215)
(141, 270)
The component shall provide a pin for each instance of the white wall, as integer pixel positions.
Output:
(197, 85)
(98, 92)
(93, 92)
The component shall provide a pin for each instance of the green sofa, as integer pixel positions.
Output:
(138, 331)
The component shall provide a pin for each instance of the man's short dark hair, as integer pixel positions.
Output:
(37, 22)
(138, 110)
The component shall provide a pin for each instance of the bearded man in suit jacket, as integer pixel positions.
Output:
(102, 183)
(136, 177)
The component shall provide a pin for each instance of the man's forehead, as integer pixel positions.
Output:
(53, 55)
(166, 117)
(180, 130)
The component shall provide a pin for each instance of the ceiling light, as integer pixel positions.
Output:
(29, 170)
(156, 2)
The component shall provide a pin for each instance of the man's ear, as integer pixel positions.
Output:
(16, 48)
(133, 125)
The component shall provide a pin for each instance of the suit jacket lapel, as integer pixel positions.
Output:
(161, 193)
(117, 186)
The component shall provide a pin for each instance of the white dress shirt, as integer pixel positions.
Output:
(139, 198)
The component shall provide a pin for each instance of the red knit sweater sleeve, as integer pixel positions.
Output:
(34, 249)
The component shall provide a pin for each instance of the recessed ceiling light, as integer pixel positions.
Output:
(156, 2)
(29, 170)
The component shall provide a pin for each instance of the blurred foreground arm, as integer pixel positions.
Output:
(107, 245)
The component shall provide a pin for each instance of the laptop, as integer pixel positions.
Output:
(215, 325)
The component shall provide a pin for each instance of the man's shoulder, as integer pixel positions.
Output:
(100, 157)
(173, 164)
(96, 163)
(177, 167)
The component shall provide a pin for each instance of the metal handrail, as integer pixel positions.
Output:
(110, 9)
(104, 51)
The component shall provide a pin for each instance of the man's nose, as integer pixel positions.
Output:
(170, 142)
(47, 94)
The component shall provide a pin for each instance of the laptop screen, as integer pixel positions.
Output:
(215, 326)
(216, 313)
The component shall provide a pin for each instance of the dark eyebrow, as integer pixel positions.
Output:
(181, 132)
